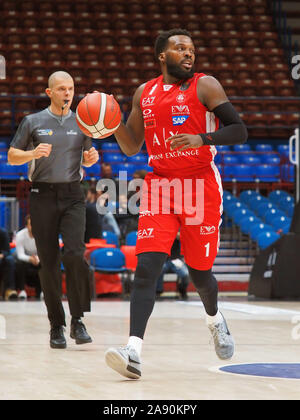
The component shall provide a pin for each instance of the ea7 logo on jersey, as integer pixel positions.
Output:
(148, 101)
(179, 120)
(207, 230)
(180, 109)
(145, 233)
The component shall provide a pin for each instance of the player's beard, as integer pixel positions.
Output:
(178, 72)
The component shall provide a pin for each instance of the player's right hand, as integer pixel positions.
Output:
(42, 150)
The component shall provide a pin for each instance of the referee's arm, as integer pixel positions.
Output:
(18, 153)
(19, 157)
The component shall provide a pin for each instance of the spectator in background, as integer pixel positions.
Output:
(140, 174)
(175, 264)
(27, 261)
(106, 171)
(93, 226)
(109, 222)
(125, 108)
(7, 267)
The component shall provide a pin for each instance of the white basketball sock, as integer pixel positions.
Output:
(136, 343)
(215, 319)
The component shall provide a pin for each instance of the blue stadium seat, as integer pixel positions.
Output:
(127, 167)
(262, 208)
(8, 171)
(239, 214)
(111, 237)
(290, 211)
(93, 171)
(108, 260)
(139, 158)
(109, 146)
(113, 157)
(267, 173)
(227, 194)
(242, 173)
(247, 222)
(258, 228)
(285, 202)
(218, 158)
(266, 157)
(228, 199)
(276, 195)
(255, 201)
(251, 160)
(233, 205)
(282, 222)
(230, 159)
(266, 238)
(264, 147)
(146, 168)
(246, 195)
(223, 148)
(271, 214)
(283, 149)
(288, 172)
(245, 147)
(271, 159)
(131, 238)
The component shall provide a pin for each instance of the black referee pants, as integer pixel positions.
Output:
(60, 209)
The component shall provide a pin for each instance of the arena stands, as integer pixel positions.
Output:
(108, 46)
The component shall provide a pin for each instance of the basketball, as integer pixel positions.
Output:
(98, 115)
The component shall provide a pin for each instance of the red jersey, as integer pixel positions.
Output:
(173, 109)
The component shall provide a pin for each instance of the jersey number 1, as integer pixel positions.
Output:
(207, 249)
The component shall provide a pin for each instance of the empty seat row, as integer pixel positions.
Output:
(260, 217)
(257, 173)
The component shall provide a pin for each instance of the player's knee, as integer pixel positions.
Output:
(149, 268)
(202, 279)
(143, 276)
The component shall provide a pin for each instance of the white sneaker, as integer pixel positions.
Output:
(22, 295)
(125, 361)
(223, 340)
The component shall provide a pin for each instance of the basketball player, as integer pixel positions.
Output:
(55, 148)
(178, 114)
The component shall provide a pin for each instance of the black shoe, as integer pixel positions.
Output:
(79, 333)
(57, 338)
(183, 294)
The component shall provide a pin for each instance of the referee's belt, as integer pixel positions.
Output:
(55, 186)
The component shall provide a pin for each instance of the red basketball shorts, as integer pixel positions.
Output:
(194, 209)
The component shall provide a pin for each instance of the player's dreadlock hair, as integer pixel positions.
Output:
(163, 37)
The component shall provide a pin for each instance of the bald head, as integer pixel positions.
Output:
(58, 77)
(60, 91)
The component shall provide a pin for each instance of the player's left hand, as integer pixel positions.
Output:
(184, 141)
(90, 156)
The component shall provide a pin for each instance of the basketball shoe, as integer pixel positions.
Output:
(125, 361)
(223, 340)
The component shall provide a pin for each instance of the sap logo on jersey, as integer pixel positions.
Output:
(207, 230)
(145, 233)
(179, 120)
(148, 101)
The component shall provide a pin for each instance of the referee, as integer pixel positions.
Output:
(55, 148)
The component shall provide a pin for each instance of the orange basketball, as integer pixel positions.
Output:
(98, 115)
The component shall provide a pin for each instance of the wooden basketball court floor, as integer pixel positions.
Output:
(178, 359)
